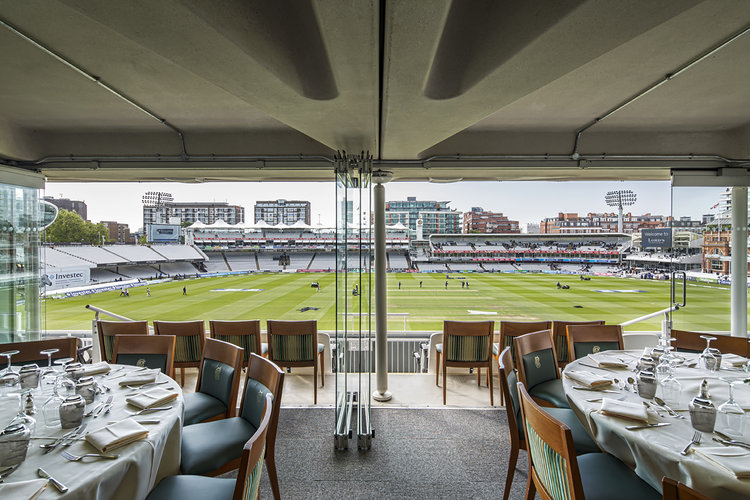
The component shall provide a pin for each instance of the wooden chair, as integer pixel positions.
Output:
(29, 351)
(687, 341)
(108, 329)
(245, 334)
(466, 344)
(555, 472)
(590, 339)
(536, 361)
(560, 332)
(245, 487)
(191, 338)
(214, 448)
(509, 386)
(149, 351)
(295, 343)
(673, 490)
(215, 395)
(512, 329)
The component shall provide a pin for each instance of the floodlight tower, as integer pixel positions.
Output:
(620, 199)
(157, 199)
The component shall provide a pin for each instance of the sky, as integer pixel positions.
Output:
(519, 200)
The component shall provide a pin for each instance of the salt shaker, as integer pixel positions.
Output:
(702, 410)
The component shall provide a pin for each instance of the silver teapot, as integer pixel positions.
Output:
(86, 387)
(71, 411)
(29, 376)
(14, 443)
(647, 384)
(702, 410)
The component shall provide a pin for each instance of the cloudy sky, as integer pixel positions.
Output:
(522, 201)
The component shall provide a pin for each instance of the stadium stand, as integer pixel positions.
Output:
(242, 261)
(432, 266)
(461, 266)
(135, 253)
(324, 260)
(140, 272)
(99, 275)
(95, 255)
(55, 258)
(299, 260)
(397, 261)
(178, 252)
(172, 268)
(216, 263)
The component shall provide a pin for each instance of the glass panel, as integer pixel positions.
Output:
(20, 227)
(704, 254)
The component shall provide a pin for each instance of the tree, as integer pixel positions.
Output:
(69, 227)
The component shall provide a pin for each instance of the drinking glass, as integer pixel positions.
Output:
(10, 383)
(21, 417)
(51, 407)
(49, 374)
(710, 357)
(8, 355)
(731, 417)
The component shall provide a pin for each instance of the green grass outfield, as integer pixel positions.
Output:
(520, 297)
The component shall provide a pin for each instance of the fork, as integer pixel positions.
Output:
(697, 436)
(100, 408)
(75, 458)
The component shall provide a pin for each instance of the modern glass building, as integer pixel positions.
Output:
(423, 217)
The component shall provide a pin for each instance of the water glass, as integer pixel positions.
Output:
(731, 417)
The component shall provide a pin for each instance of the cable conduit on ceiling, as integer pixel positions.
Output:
(70, 64)
(669, 76)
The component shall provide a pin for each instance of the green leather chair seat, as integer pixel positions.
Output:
(186, 487)
(200, 406)
(209, 445)
(552, 391)
(581, 439)
(605, 477)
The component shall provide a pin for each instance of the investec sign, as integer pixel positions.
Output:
(69, 276)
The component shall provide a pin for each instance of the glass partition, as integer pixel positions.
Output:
(353, 342)
(20, 275)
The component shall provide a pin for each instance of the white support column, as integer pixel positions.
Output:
(381, 311)
(739, 262)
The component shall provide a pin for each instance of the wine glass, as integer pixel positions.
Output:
(8, 355)
(671, 388)
(710, 357)
(10, 383)
(731, 416)
(51, 407)
(22, 417)
(49, 374)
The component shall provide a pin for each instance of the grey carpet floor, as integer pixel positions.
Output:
(416, 453)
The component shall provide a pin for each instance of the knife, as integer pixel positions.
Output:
(731, 439)
(646, 426)
(596, 390)
(69, 440)
(730, 442)
(57, 484)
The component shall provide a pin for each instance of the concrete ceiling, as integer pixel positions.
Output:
(211, 90)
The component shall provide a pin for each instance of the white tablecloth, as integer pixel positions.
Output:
(131, 476)
(655, 452)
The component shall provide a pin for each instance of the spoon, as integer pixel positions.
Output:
(664, 405)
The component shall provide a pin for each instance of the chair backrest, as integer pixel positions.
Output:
(560, 332)
(263, 377)
(108, 329)
(219, 372)
(687, 341)
(251, 463)
(467, 341)
(673, 490)
(29, 350)
(191, 337)
(536, 360)
(292, 341)
(552, 457)
(509, 388)
(150, 351)
(590, 339)
(511, 329)
(245, 334)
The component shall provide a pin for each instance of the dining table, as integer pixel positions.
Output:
(139, 465)
(717, 470)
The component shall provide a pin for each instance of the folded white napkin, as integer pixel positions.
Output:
(731, 459)
(23, 489)
(624, 409)
(604, 360)
(153, 397)
(116, 435)
(733, 359)
(589, 379)
(139, 378)
(96, 368)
